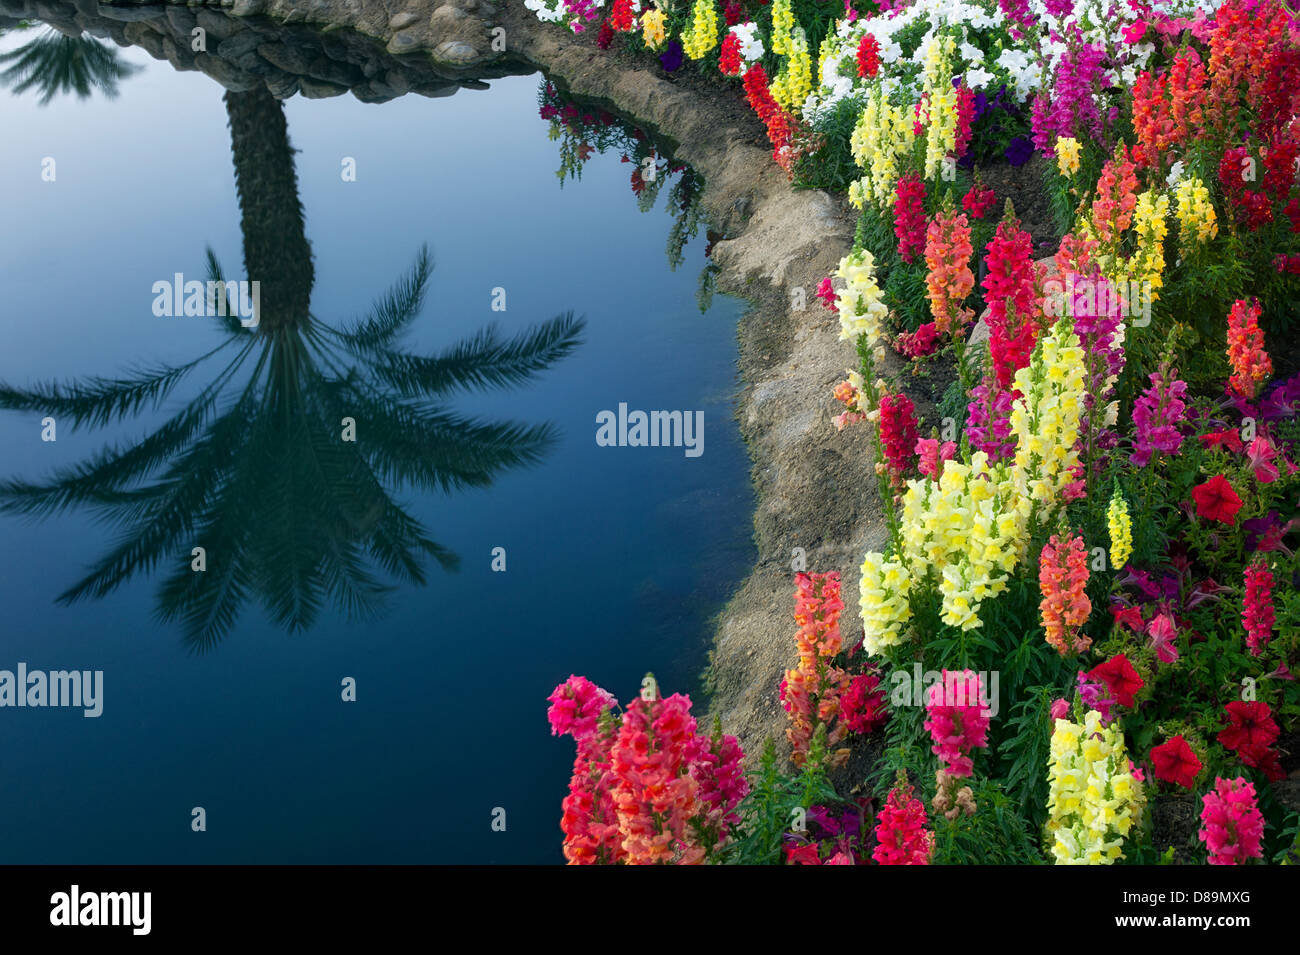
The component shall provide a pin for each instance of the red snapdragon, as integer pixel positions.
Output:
(909, 216)
(1010, 295)
(1257, 614)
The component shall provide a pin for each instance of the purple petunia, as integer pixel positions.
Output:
(671, 58)
(1019, 150)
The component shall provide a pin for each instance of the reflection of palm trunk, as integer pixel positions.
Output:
(276, 251)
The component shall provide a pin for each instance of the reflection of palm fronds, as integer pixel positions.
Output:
(53, 64)
(253, 468)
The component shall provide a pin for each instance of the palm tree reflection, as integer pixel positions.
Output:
(254, 468)
(53, 63)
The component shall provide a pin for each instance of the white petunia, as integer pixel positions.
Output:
(751, 47)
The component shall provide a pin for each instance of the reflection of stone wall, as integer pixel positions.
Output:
(274, 42)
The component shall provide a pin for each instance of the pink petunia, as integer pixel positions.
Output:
(1262, 454)
(1134, 32)
(1162, 632)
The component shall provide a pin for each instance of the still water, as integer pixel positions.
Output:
(223, 689)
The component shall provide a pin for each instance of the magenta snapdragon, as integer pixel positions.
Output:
(1156, 416)
(988, 421)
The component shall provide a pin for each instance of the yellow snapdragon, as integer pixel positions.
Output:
(967, 527)
(1067, 155)
(782, 27)
(703, 33)
(883, 601)
(965, 533)
(1149, 222)
(1045, 418)
(652, 28)
(861, 301)
(1120, 525)
(941, 99)
(1197, 222)
(883, 134)
(1093, 798)
(793, 84)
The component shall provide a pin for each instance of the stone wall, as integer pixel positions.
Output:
(319, 48)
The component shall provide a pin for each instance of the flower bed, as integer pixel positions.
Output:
(1086, 609)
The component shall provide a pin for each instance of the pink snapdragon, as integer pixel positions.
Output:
(909, 216)
(898, 434)
(1232, 827)
(826, 292)
(931, 456)
(645, 787)
(577, 705)
(655, 793)
(958, 719)
(1010, 293)
(717, 766)
(1095, 695)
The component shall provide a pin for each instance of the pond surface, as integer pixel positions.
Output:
(223, 688)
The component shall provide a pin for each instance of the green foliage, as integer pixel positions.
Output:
(904, 745)
(905, 295)
(1141, 852)
(876, 234)
(1059, 198)
(253, 466)
(684, 204)
(953, 404)
(1290, 838)
(995, 835)
(1025, 750)
(767, 811)
(708, 285)
(830, 165)
(54, 64)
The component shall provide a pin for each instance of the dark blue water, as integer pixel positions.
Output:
(616, 557)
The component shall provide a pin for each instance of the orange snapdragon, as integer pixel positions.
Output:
(811, 690)
(950, 280)
(1063, 579)
(1112, 210)
(1251, 365)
